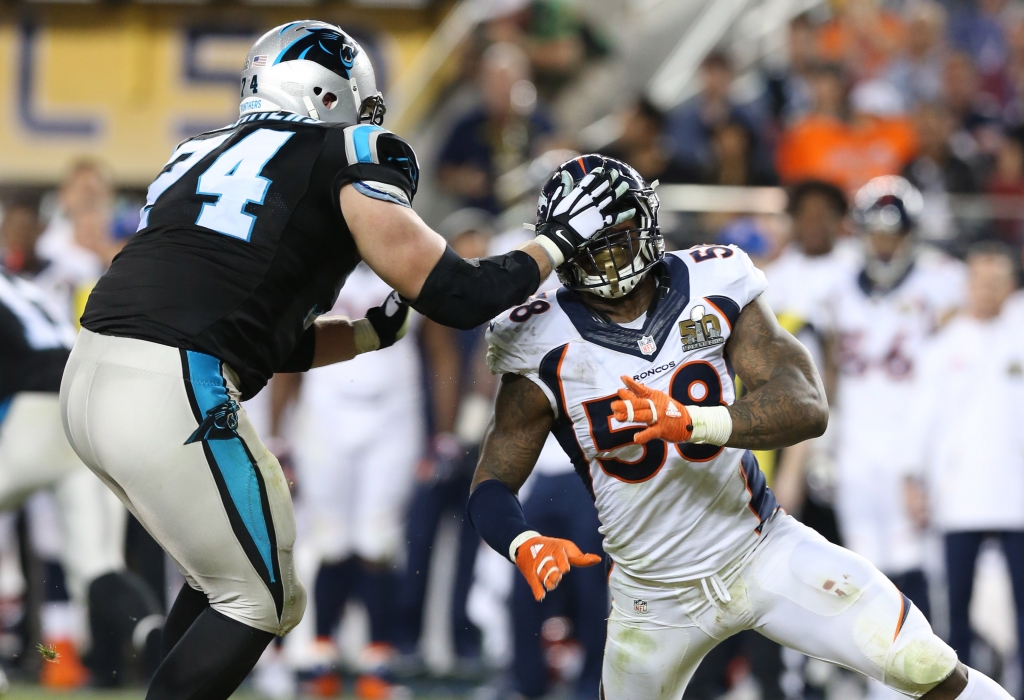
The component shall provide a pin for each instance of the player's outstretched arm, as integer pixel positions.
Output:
(785, 403)
(415, 260)
(514, 439)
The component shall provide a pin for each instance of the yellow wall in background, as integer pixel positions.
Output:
(112, 83)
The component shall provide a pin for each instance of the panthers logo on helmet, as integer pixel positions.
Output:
(331, 49)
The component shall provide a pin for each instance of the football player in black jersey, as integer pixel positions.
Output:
(247, 235)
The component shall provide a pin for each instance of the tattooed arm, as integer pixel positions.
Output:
(785, 403)
(516, 434)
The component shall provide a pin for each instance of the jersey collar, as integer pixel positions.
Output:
(661, 318)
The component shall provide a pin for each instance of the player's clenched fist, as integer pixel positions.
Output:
(543, 560)
(668, 419)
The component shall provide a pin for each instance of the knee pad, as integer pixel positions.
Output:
(914, 660)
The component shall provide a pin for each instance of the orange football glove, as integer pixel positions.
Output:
(543, 560)
(668, 419)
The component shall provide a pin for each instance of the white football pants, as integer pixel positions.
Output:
(219, 506)
(795, 588)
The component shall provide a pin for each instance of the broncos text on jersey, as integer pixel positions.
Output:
(669, 513)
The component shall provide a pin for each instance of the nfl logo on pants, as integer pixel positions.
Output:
(639, 606)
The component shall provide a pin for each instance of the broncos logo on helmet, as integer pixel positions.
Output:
(333, 50)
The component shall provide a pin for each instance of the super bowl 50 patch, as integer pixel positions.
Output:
(703, 330)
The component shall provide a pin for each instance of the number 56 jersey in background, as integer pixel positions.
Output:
(669, 513)
(242, 242)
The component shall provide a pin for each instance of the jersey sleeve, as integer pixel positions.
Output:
(729, 272)
(519, 340)
(378, 164)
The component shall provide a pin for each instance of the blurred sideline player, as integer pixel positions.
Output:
(559, 504)
(700, 548)
(35, 454)
(975, 488)
(247, 236)
(356, 438)
(458, 414)
(802, 281)
(882, 316)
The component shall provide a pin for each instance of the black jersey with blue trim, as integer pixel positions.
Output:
(242, 242)
(35, 340)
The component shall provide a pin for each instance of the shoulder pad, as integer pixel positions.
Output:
(372, 144)
(519, 339)
(723, 270)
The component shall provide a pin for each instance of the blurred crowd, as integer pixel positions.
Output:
(380, 451)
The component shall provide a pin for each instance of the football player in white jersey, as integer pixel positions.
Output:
(700, 549)
(881, 317)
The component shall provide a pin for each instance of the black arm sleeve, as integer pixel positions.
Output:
(466, 293)
(301, 358)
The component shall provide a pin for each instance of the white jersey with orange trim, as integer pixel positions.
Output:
(669, 513)
(880, 338)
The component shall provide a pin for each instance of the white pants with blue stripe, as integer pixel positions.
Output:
(162, 427)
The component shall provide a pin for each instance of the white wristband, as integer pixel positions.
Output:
(365, 338)
(711, 424)
(529, 534)
(554, 254)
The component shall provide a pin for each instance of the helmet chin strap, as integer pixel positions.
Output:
(310, 108)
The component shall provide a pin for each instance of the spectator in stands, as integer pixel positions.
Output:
(937, 169)
(978, 30)
(1008, 180)
(559, 42)
(917, 73)
(500, 134)
(734, 159)
(975, 112)
(975, 486)
(642, 144)
(790, 97)
(18, 235)
(876, 139)
(1013, 73)
(693, 125)
(863, 37)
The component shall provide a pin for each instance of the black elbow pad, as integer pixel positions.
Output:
(466, 293)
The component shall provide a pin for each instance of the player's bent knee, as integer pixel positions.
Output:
(260, 610)
(294, 608)
(915, 660)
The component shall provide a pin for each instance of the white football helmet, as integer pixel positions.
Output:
(314, 69)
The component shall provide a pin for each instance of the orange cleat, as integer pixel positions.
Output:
(326, 685)
(65, 671)
(370, 687)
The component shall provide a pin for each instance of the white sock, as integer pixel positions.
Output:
(981, 687)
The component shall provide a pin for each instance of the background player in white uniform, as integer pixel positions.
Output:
(35, 340)
(357, 436)
(975, 487)
(883, 314)
(700, 548)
